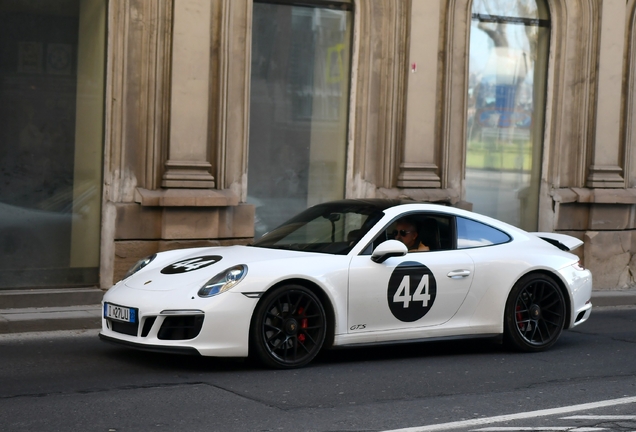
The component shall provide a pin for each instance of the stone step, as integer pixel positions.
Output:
(42, 298)
(614, 298)
(23, 320)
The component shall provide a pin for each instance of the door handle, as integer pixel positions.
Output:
(458, 274)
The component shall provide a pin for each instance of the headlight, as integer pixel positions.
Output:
(223, 281)
(140, 264)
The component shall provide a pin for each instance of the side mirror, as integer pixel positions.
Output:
(388, 249)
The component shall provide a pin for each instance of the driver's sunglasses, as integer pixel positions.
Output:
(401, 233)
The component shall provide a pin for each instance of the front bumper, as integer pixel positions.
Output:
(216, 326)
(152, 348)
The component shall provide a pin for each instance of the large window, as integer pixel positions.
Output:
(298, 107)
(51, 135)
(509, 44)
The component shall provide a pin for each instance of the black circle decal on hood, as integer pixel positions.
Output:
(412, 290)
(191, 264)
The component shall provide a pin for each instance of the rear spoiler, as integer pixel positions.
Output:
(562, 241)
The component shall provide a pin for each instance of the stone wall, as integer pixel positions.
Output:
(176, 174)
(605, 219)
(611, 256)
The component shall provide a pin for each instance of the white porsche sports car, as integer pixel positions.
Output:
(335, 276)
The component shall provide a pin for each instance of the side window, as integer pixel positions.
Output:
(472, 234)
(421, 232)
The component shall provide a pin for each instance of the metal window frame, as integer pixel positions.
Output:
(346, 5)
(500, 19)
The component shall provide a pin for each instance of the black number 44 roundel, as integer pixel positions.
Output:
(191, 264)
(412, 290)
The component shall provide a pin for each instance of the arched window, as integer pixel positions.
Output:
(509, 47)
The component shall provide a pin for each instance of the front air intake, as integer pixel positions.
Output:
(124, 327)
(180, 327)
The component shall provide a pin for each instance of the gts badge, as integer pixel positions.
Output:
(358, 327)
(191, 264)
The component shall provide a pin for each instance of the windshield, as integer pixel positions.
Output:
(333, 228)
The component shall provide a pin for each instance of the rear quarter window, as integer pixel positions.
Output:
(471, 234)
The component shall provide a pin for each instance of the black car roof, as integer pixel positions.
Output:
(379, 203)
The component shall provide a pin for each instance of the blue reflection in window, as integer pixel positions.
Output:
(472, 234)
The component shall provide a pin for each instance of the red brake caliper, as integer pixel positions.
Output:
(519, 318)
(303, 324)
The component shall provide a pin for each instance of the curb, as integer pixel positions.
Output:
(614, 298)
(25, 320)
(88, 317)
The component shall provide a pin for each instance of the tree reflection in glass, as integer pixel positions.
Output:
(509, 43)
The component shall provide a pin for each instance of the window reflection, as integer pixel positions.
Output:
(298, 108)
(506, 99)
(51, 135)
(476, 234)
(333, 227)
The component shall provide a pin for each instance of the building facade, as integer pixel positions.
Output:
(134, 126)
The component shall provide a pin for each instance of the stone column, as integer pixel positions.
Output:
(188, 164)
(605, 170)
(418, 168)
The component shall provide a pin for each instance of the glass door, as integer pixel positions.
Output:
(298, 107)
(51, 141)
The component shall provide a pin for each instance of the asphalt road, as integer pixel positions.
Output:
(71, 381)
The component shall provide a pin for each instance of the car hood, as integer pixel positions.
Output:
(185, 268)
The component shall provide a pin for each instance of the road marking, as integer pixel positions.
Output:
(601, 417)
(518, 416)
(541, 429)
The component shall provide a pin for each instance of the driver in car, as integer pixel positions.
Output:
(406, 232)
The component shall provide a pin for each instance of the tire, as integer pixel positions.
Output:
(535, 313)
(289, 327)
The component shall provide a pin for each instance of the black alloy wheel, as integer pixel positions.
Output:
(289, 327)
(535, 313)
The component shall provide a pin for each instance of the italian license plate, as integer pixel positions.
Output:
(120, 313)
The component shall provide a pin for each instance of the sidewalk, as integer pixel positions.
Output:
(37, 310)
(22, 320)
(614, 298)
